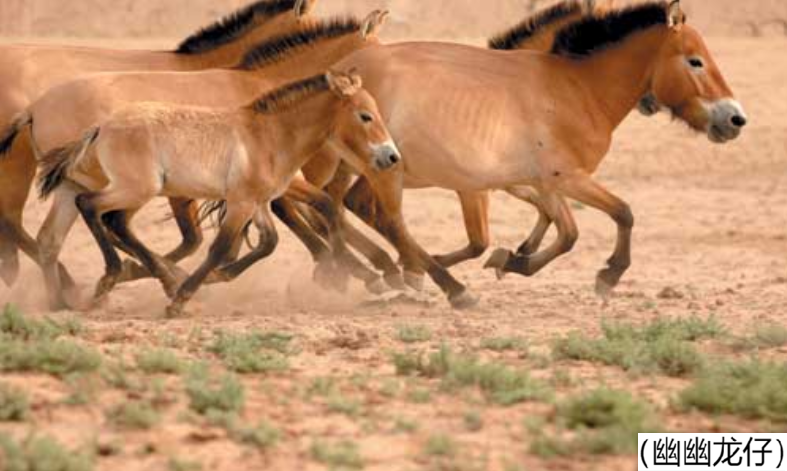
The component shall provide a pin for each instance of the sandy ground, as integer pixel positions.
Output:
(711, 223)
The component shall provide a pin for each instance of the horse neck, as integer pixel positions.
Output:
(230, 54)
(303, 129)
(619, 76)
(316, 60)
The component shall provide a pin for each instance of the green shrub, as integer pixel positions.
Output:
(661, 346)
(206, 394)
(504, 344)
(154, 361)
(752, 389)
(15, 325)
(339, 455)
(41, 454)
(14, 405)
(603, 421)
(59, 357)
(413, 333)
(134, 415)
(500, 384)
(255, 352)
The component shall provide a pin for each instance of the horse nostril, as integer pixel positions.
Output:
(393, 158)
(738, 121)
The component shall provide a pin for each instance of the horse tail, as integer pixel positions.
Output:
(20, 122)
(56, 163)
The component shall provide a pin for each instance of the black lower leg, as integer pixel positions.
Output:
(112, 260)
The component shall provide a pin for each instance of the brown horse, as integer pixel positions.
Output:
(92, 100)
(26, 72)
(514, 120)
(246, 157)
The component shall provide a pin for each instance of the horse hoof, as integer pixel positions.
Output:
(395, 281)
(175, 310)
(376, 286)
(498, 261)
(463, 301)
(414, 280)
(9, 272)
(606, 281)
(105, 286)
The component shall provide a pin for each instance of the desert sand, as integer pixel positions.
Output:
(711, 225)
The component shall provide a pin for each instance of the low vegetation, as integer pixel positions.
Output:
(500, 383)
(337, 455)
(14, 405)
(752, 389)
(41, 453)
(159, 361)
(602, 421)
(207, 394)
(134, 415)
(663, 346)
(413, 333)
(255, 352)
(505, 344)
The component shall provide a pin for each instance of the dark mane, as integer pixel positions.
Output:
(282, 47)
(233, 26)
(529, 27)
(291, 94)
(596, 33)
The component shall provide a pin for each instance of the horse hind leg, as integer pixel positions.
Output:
(536, 237)
(118, 223)
(475, 209)
(9, 254)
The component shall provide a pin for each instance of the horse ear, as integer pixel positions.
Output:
(676, 16)
(343, 85)
(303, 7)
(373, 23)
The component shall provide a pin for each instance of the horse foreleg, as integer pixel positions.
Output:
(585, 190)
(387, 187)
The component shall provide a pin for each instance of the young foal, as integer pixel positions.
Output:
(27, 71)
(246, 157)
(503, 120)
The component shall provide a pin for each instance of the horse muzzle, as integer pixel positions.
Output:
(727, 120)
(385, 156)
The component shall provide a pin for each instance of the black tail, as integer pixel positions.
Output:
(21, 121)
(57, 162)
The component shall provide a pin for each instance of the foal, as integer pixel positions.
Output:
(246, 157)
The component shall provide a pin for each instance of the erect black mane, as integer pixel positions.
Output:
(279, 48)
(596, 33)
(291, 94)
(234, 26)
(529, 27)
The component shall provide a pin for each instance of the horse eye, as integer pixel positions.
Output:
(366, 118)
(696, 63)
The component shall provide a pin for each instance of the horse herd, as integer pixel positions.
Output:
(273, 110)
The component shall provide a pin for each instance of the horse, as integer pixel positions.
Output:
(27, 71)
(472, 120)
(279, 60)
(246, 156)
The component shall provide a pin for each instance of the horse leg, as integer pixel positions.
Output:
(118, 223)
(379, 258)
(269, 239)
(365, 204)
(88, 205)
(585, 190)
(61, 290)
(304, 192)
(505, 261)
(18, 169)
(238, 214)
(387, 187)
(533, 242)
(475, 208)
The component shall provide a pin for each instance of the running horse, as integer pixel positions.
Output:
(516, 120)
